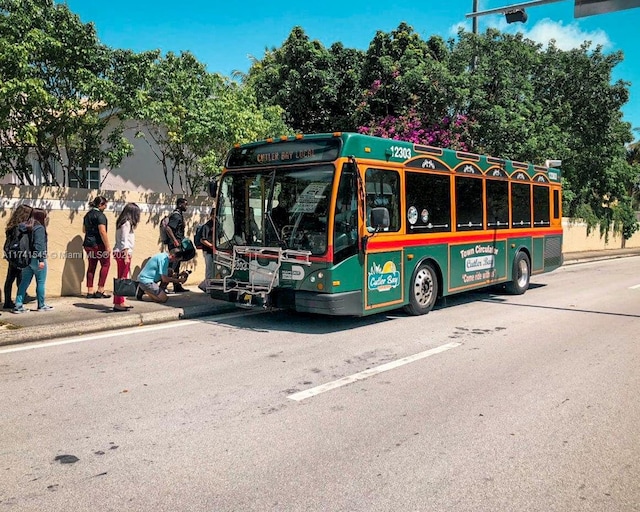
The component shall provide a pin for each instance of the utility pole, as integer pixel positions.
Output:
(475, 18)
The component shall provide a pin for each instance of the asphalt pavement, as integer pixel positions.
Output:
(78, 315)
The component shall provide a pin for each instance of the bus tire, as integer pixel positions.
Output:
(521, 274)
(424, 290)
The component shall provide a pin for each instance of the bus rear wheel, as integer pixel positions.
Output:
(424, 290)
(520, 276)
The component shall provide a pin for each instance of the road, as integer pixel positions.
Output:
(490, 402)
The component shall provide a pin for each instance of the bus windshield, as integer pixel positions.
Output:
(275, 207)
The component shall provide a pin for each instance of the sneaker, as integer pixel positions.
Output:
(9, 305)
(180, 289)
(46, 307)
(139, 293)
(20, 309)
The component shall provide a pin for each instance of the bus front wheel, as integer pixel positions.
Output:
(520, 275)
(424, 290)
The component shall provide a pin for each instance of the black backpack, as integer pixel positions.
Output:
(18, 246)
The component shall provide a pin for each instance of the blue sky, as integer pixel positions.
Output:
(225, 35)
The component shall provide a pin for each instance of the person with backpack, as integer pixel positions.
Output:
(123, 248)
(174, 234)
(96, 245)
(204, 240)
(36, 226)
(14, 272)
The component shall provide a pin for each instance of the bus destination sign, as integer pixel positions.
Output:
(285, 153)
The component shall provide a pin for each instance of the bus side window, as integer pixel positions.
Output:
(520, 205)
(383, 190)
(468, 200)
(541, 206)
(497, 204)
(428, 205)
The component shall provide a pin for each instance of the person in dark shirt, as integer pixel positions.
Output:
(96, 245)
(175, 234)
(207, 249)
(37, 268)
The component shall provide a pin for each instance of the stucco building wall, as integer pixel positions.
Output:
(576, 239)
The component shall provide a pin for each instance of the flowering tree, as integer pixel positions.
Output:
(450, 132)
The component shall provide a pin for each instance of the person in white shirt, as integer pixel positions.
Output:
(123, 249)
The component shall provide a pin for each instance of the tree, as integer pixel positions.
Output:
(193, 117)
(56, 99)
(403, 73)
(586, 107)
(316, 87)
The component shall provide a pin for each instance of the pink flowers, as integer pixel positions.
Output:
(450, 132)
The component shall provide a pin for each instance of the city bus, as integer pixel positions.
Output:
(351, 224)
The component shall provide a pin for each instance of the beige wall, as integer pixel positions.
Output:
(67, 207)
(575, 238)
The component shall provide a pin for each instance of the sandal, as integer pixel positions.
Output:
(101, 295)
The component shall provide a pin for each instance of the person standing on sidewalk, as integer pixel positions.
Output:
(96, 245)
(14, 274)
(38, 266)
(207, 249)
(123, 248)
(175, 234)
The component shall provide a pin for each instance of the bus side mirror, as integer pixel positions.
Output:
(213, 188)
(380, 218)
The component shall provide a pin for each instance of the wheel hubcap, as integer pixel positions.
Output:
(423, 287)
(523, 273)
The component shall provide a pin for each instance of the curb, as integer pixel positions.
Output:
(44, 332)
(587, 259)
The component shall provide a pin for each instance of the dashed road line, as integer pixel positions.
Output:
(350, 379)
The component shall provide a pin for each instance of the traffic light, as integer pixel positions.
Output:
(517, 15)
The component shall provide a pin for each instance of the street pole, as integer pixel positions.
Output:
(475, 18)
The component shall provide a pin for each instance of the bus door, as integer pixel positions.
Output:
(383, 252)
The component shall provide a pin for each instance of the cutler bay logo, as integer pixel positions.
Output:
(383, 278)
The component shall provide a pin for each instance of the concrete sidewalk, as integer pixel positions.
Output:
(73, 316)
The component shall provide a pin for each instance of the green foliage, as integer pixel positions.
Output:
(54, 93)
(193, 117)
(319, 87)
(511, 98)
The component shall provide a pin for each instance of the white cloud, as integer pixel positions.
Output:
(566, 37)
(454, 29)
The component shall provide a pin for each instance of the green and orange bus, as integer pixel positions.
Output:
(350, 224)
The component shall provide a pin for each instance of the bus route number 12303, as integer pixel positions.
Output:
(400, 152)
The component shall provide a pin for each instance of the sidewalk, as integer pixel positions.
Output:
(73, 316)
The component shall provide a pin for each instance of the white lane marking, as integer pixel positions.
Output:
(301, 395)
(123, 332)
(634, 287)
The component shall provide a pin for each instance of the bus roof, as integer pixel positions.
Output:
(329, 146)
